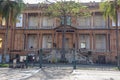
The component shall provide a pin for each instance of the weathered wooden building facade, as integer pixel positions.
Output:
(35, 31)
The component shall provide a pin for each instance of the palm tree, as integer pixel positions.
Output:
(10, 9)
(110, 8)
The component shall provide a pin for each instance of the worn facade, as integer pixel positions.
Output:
(35, 31)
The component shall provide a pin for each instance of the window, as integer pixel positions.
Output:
(68, 20)
(83, 22)
(113, 22)
(47, 22)
(84, 41)
(66, 43)
(3, 22)
(33, 21)
(100, 42)
(83, 44)
(19, 21)
(32, 41)
(99, 21)
(47, 41)
(22, 58)
(0, 42)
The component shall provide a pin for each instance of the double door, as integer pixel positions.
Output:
(68, 40)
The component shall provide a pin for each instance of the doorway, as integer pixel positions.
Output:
(101, 59)
(67, 43)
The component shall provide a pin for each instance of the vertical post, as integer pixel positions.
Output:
(117, 37)
(108, 24)
(40, 58)
(26, 62)
(63, 58)
(74, 60)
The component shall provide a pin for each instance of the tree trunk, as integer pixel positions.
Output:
(63, 58)
(6, 41)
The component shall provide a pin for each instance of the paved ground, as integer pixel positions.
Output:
(69, 74)
(60, 73)
(17, 74)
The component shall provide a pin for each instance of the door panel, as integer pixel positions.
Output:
(68, 41)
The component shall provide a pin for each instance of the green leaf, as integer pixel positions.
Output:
(11, 9)
(109, 9)
(63, 8)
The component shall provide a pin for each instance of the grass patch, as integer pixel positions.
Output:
(116, 68)
(4, 65)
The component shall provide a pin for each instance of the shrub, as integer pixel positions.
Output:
(4, 65)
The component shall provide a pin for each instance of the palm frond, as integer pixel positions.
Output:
(71, 8)
(109, 9)
(11, 9)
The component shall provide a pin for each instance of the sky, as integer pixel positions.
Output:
(37, 1)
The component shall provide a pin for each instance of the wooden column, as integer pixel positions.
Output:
(13, 40)
(38, 37)
(54, 24)
(26, 41)
(24, 21)
(92, 21)
(53, 38)
(39, 21)
(77, 40)
(74, 40)
(107, 42)
(40, 41)
(56, 39)
(26, 26)
(94, 41)
(91, 41)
